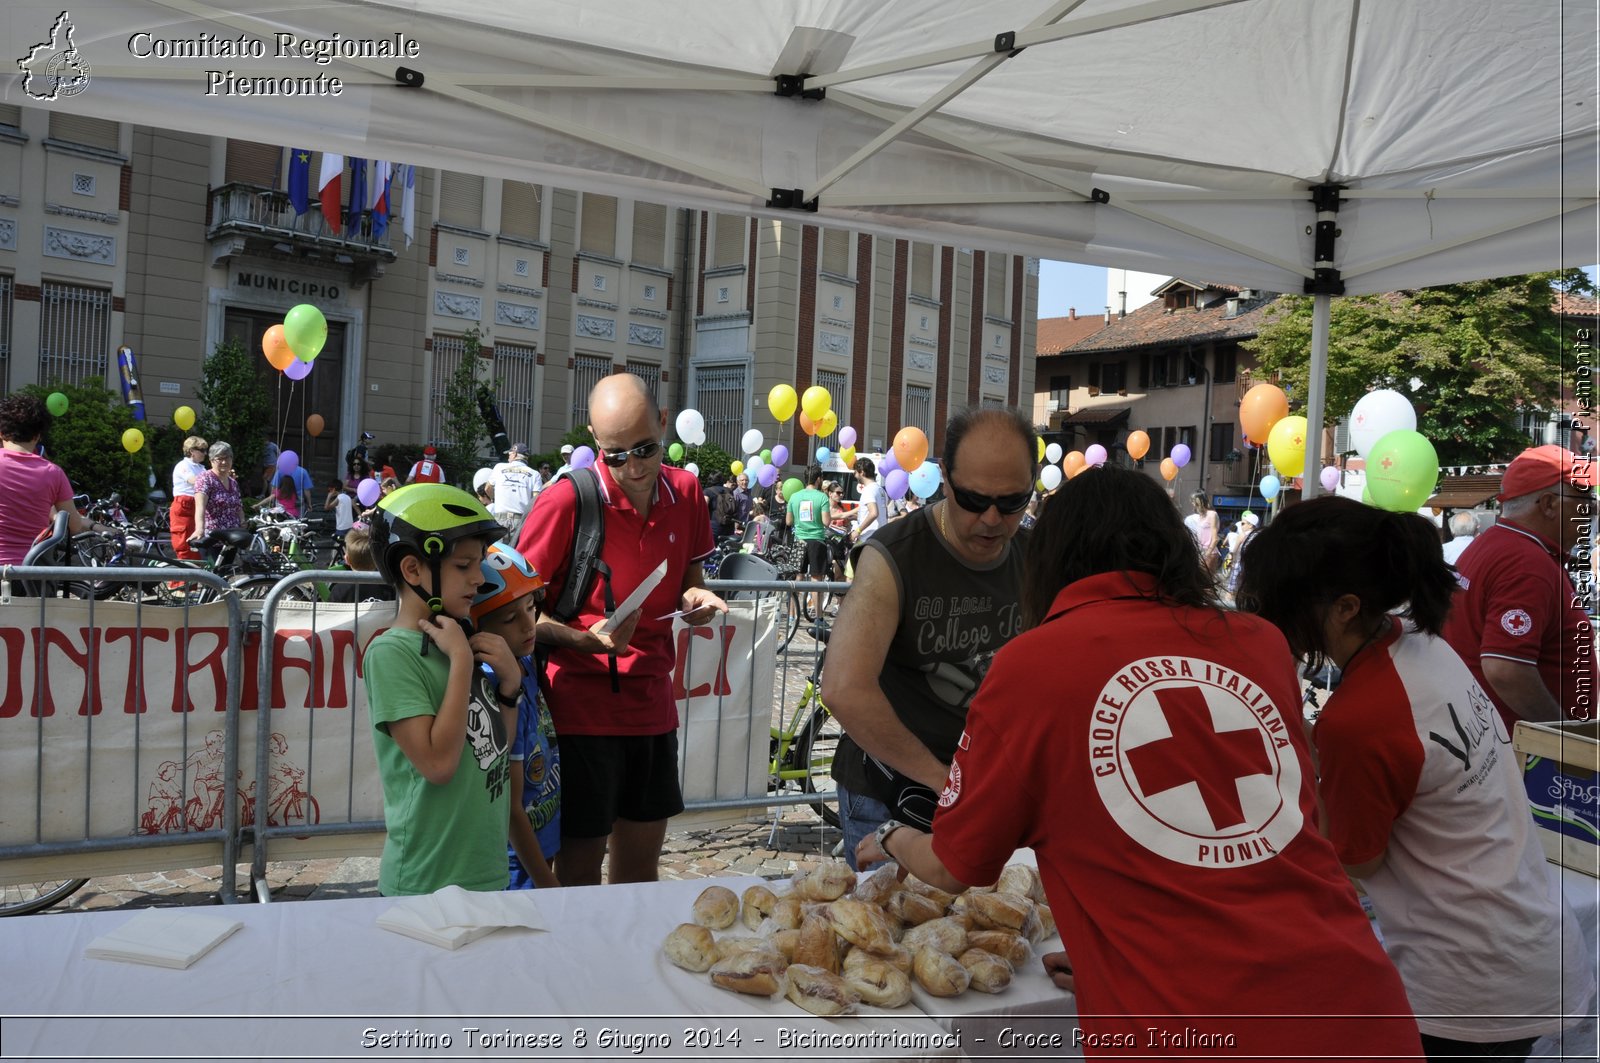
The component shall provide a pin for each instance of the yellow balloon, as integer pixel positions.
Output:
(816, 403)
(183, 417)
(1039, 440)
(132, 440)
(1286, 446)
(828, 424)
(848, 455)
(782, 400)
(737, 467)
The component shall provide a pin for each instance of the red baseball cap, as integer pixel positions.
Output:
(1540, 467)
(429, 450)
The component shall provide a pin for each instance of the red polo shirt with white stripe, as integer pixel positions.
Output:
(581, 698)
(1153, 757)
(1516, 602)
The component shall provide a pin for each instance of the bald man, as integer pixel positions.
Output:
(619, 744)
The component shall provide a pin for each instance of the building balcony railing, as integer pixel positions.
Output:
(261, 221)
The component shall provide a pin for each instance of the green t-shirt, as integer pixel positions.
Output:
(810, 511)
(438, 836)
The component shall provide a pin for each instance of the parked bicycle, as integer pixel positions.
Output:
(804, 743)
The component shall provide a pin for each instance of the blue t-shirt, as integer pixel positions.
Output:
(536, 754)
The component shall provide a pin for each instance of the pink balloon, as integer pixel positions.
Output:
(1095, 455)
(583, 457)
(896, 483)
(780, 455)
(368, 492)
(847, 437)
(298, 370)
(1330, 477)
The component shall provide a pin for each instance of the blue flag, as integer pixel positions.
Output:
(299, 180)
(358, 196)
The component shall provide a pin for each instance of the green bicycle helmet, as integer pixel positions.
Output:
(427, 520)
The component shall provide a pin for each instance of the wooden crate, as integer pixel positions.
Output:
(1561, 762)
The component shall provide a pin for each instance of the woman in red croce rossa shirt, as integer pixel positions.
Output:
(1147, 746)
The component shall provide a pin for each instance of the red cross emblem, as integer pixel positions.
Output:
(1199, 754)
(1387, 463)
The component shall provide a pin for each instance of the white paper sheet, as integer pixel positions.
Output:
(169, 938)
(632, 602)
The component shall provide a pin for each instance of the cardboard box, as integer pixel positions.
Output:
(1562, 760)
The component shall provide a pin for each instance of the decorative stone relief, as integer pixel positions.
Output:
(83, 184)
(600, 328)
(83, 247)
(722, 295)
(519, 314)
(994, 375)
(597, 304)
(8, 234)
(87, 215)
(833, 343)
(456, 278)
(838, 322)
(463, 257)
(921, 341)
(517, 289)
(647, 335)
(919, 360)
(452, 304)
(649, 291)
(645, 311)
(521, 267)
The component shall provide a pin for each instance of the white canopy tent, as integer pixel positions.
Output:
(1334, 146)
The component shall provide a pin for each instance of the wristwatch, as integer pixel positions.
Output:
(881, 835)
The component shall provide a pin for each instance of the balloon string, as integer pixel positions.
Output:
(283, 424)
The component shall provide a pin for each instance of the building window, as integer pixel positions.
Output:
(1225, 363)
(447, 354)
(650, 373)
(74, 332)
(519, 209)
(8, 286)
(516, 370)
(721, 394)
(599, 225)
(728, 249)
(587, 371)
(649, 234)
(921, 280)
(1113, 376)
(919, 409)
(461, 199)
(1179, 299)
(994, 291)
(1169, 439)
(836, 252)
(1221, 440)
(78, 129)
(1060, 390)
(1186, 436)
(250, 163)
(838, 385)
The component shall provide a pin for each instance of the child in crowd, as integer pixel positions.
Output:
(441, 727)
(508, 605)
(358, 558)
(288, 498)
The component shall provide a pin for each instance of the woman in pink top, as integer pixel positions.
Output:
(217, 505)
(32, 489)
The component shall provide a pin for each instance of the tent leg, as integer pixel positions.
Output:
(1321, 306)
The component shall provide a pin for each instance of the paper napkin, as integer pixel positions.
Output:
(163, 938)
(453, 917)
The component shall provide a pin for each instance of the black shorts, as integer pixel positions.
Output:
(818, 562)
(605, 778)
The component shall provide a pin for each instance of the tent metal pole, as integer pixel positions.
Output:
(1321, 308)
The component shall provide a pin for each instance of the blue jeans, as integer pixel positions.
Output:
(859, 816)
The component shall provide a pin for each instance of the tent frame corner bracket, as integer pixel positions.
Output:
(790, 86)
(792, 199)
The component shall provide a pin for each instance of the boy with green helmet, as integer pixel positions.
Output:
(441, 725)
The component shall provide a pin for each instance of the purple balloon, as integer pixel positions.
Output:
(298, 370)
(1330, 477)
(1181, 455)
(847, 437)
(1095, 455)
(888, 464)
(768, 475)
(288, 462)
(780, 455)
(896, 483)
(583, 457)
(368, 492)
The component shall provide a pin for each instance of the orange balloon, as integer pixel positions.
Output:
(1138, 444)
(1073, 462)
(1169, 469)
(807, 425)
(314, 425)
(1262, 407)
(910, 448)
(276, 348)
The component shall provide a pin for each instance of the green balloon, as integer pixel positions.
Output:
(675, 452)
(1402, 469)
(766, 457)
(56, 403)
(306, 330)
(792, 486)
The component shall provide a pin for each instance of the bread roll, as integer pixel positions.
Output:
(879, 886)
(786, 913)
(913, 908)
(988, 972)
(1000, 911)
(944, 935)
(898, 957)
(731, 945)
(716, 907)
(933, 893)
(818, 945)
(939, 973)
(758, 902)
(1021, 880)
(691, 947)
(828, 881)
(1032, 926)
(820, 992)
(1047, 920)
(785, 941)
(759, 974)
(863, 925)
(1007, 944)
(878, 982)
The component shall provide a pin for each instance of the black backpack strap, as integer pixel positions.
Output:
(584, 565)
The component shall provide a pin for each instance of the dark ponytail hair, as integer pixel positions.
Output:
(1318, 551)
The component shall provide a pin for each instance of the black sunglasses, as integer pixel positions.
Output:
(618, 458)
(973, 502)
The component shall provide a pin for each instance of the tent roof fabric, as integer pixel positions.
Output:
(1462, 132)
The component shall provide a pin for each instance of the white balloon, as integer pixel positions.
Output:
(752, 441)
(699, 436)
(692, 467)
(753, 465)
(1050, 475)
(1376, 415)
(690, 424)
(1052, 453)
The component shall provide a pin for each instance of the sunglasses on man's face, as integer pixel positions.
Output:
(618, 458)
(972, 502)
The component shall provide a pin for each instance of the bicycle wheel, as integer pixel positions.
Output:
(788, 620)
(256, 588)
(37, 896)
(813, 749)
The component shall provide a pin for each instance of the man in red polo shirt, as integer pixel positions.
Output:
(619, 749)
(1517, 620)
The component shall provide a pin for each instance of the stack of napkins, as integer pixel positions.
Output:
(452, 917)
(166, 938)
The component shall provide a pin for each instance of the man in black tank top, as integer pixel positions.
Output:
(935, 595)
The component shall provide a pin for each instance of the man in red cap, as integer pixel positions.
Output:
(428, 470)
(1518, 621)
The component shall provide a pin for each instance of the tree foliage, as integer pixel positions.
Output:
(86, 442)
(712, 460)
(235, 406)
(1469, 356)
(461, 415)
